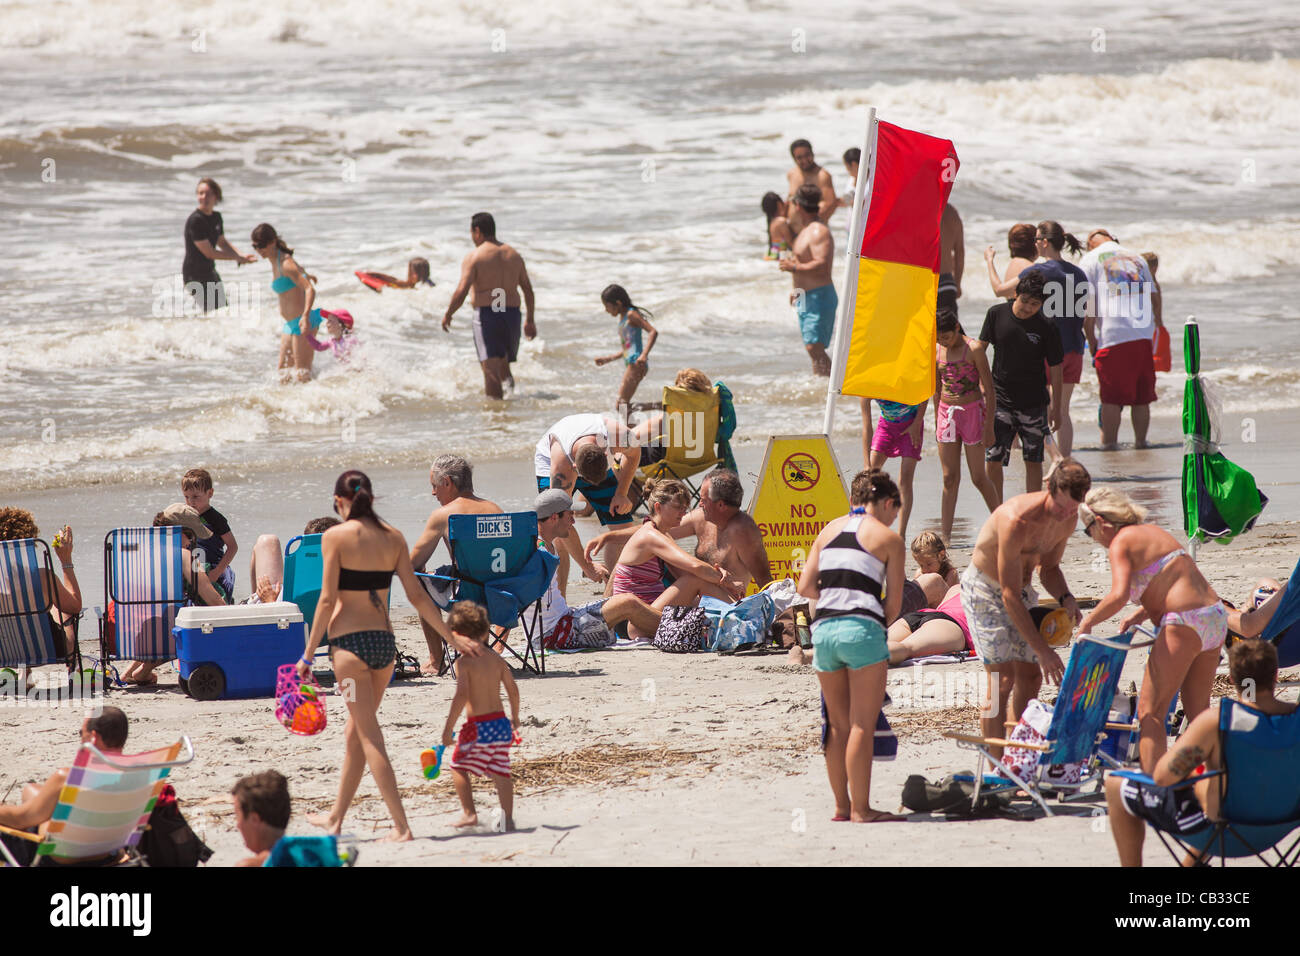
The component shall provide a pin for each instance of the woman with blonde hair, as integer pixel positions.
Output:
(1149, 568)
(655, 568)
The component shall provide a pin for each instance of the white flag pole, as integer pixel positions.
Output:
(844, 322)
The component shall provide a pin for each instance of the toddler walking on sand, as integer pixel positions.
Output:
(483, 746)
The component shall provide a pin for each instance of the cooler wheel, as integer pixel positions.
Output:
(207, 682)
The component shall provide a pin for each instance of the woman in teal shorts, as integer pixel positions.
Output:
(854, 574)
(297, 294)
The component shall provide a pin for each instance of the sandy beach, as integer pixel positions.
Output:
(635, 757)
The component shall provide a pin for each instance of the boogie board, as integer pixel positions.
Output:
(374, 280)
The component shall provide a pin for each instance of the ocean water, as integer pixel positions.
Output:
(623, 143)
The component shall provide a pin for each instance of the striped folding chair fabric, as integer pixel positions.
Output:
(144, 579)
(107, 800)
(27, 637)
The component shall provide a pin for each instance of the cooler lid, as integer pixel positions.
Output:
(239, 615)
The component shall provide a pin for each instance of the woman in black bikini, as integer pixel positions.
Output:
(361, 555)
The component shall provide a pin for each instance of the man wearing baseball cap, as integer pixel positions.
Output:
(590, 625)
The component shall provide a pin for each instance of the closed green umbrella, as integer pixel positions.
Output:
(1220, 499)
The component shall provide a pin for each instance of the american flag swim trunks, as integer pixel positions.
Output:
(483, 746)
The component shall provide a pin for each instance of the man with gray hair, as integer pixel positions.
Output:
(452, 480)
(724, 535)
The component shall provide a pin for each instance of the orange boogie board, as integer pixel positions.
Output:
(800, 489)
(373, 279)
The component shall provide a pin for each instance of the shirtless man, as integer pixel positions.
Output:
(452, 480)
(814, 297)
(806, 172)
(497, 275)
(107, 732)
(1025, 530)
(724, 535)
(952, 257)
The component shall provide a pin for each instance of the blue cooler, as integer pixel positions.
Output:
(235, 651)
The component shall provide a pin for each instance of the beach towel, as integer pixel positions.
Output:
(726, 427)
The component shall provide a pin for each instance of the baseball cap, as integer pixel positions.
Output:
(551, 502)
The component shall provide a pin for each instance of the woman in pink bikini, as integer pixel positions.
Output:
(963, 414)
(1173, 594)
(655, 568)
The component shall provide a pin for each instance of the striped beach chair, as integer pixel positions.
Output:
(105, 803)
(28, 595)
(145, 583)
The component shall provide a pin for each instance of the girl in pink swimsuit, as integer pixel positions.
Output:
(1172, 594)
(651, 550)
(963, 414)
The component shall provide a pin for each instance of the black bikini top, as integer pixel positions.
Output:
(350, 580)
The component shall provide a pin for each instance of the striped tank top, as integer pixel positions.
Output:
(850, 579)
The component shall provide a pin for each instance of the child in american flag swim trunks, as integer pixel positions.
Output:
(483, 745)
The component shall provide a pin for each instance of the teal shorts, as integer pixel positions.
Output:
(850, 641)
(290, 326)
(816, 314)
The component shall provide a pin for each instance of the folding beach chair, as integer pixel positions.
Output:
(105, 803)
(1284, 626)
(304, 568)
(29, 635)
(495, 562)
(1259, 790)
(689, 437)
(1079, 723)
(145, 582)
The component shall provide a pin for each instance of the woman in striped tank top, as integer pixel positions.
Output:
(854, 575)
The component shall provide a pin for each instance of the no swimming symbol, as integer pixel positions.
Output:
(800, 471)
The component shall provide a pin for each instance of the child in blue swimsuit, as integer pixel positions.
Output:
(631, 322)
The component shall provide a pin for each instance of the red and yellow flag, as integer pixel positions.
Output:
(891, 344)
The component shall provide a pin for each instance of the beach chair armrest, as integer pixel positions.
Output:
(22, 834)
(995, 741)
(99, 613)
(1132, 728)
(1139, 777)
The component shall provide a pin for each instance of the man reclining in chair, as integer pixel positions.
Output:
(108, 733)
(724, 534)
(592, 624)
(452, 480)
(1252, 667)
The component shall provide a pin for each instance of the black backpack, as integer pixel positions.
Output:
(168, 840)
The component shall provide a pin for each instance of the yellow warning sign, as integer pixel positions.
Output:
(800, 489)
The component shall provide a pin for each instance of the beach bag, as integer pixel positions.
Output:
(783, 628)
(168, 840)
(1160, 346)
(1032, 728)
(682, 630)
(744, 624)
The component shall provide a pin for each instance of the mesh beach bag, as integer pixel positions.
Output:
(299, 704)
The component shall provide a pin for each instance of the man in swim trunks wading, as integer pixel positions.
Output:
(1025, 530)
(814, 297)
(496, 273)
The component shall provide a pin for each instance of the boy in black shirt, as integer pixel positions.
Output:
(219, 550)
(1026, 351)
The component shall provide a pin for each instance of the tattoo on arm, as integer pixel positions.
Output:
(1185, 759)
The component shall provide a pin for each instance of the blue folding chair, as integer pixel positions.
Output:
(495, 562)
(145, 582)
(304, 568)
(1079, 723)
(1259, 790)
(1284, 626)
(29, 634)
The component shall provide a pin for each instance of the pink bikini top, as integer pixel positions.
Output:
(1142, 580)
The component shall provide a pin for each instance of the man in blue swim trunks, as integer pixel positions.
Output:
(496, 273)
(814, 297)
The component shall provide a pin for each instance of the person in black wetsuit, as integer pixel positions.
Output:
(205, 242)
